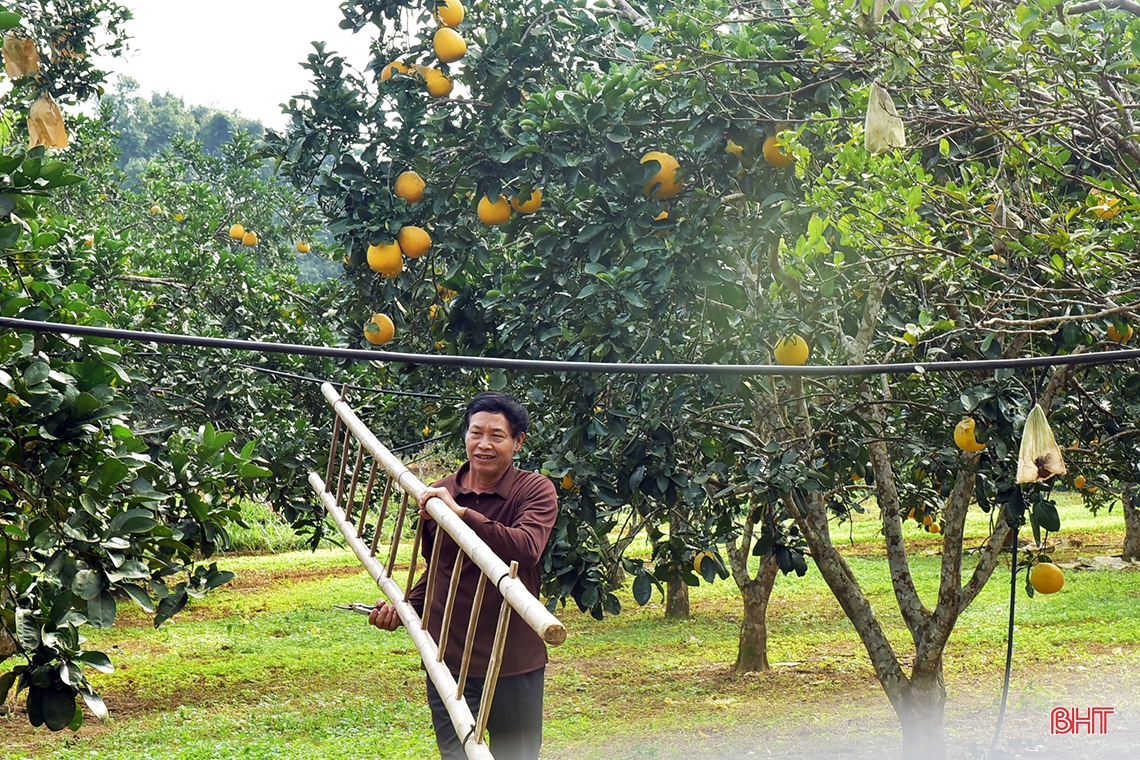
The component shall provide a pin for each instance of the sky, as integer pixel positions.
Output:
(235, 55)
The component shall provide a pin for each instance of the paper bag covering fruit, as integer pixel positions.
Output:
(1040, 457)
(45, 124)
(20, 56)
(883, 129)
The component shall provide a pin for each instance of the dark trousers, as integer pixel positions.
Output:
(515, 722)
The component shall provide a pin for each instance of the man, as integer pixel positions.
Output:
(513, 511)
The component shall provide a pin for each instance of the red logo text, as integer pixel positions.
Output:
(1069, 720)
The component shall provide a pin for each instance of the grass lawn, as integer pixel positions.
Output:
(266, 668)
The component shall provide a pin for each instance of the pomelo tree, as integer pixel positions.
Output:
(996, 230)
(93, 510)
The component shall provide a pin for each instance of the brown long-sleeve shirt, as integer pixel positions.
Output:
(515, 520)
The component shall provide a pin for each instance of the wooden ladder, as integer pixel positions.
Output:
(354, 517)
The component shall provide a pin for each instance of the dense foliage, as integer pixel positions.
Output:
(1002, 228)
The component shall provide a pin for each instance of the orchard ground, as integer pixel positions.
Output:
(266, 668)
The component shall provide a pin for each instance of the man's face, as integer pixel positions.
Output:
(490, 447)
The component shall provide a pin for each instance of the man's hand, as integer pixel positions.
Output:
(443, 495)
(384, 616)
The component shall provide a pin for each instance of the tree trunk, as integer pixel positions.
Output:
(1131, 524)
(8, 645)
(921, 713)
(677, 592)
(677, 598)
(752, 651)
(615, 573)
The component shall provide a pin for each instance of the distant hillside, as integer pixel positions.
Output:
(147, 126)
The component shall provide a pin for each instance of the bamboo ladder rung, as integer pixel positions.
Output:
(496, 663)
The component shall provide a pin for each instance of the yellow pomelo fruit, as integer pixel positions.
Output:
(791, 351)
(1046, 578)
(494, 212)
(567, 482)
(249, 238)
(1080, 481)
(774, 155)
(379, 330)
(410, 186)
(699, 559)
(449, 13)
(935, 528)
(393, 68)
(156, 210)
(180, 217)
(449, 45)
(1114, 334)
(414, 241)
(530, 205)
(663, 184)
(302, 247)
(386, 258)
(237, 232)
(734, 149)
(964, 435)
(1105, 206)
(438, 86)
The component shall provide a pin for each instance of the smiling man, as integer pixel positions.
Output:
(513, 511)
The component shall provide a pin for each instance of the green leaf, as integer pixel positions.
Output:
(642, 589)
(97, 660)
(58, 708)
(9, 233)
(139, 596)
(1045, 514)
(218, 578)
(6, 681)
(35, 705)
(9, 20)
(36, 373)
(85, 404)
(27, 629)
(63, 604)
(171, 605)
(87, 584)
(619, 134)
(132, 521)
(101, 610)
(251, 470)
(56, 469)
(132, 569)
(94, 703)
(108, 475)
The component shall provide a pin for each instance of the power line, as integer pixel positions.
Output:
(310, 379)
(540, 365)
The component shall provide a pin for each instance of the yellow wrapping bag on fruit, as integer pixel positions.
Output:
(45, 124)
(20, 56)
(882, 129)
(1040, 456)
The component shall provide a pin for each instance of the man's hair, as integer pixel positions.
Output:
(499, 403)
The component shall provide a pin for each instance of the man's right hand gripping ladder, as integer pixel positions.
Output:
(352, 516)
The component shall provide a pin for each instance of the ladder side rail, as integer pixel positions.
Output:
(457, 709)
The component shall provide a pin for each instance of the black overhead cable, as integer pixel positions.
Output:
(309, 379)
(537, 365)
